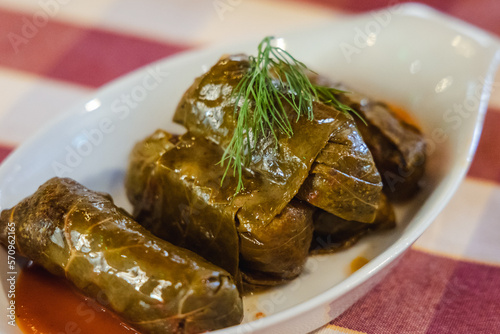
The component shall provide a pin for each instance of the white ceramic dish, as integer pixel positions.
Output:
(409, 55)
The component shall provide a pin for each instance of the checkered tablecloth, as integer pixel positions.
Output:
(55, 52)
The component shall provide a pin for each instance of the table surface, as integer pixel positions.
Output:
(449, 282)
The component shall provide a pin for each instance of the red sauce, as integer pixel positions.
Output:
(259, 315)
(46, 304)
(357, 263)
(404, 115)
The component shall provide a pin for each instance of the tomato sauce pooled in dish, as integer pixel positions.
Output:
(357, 263)
(46, 304)
(404, 115)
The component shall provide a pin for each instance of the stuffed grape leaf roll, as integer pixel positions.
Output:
(343, 179)
(396, 143)
(177, 193)
(170, 182)
(398, 147)
(332, 233)
(155, 286)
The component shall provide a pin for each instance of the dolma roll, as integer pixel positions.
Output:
(153, 285)
(396, 143)
(397, 146)
(332, 233)
(343, 179)
(175, 187)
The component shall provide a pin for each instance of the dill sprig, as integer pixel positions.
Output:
(327, 95)
(274, 78)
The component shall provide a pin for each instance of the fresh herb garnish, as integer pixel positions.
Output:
(274, 77)
(327, 96)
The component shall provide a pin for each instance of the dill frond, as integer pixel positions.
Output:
(274, 77)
